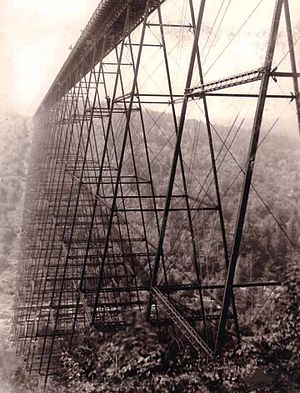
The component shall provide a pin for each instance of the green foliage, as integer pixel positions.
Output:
(14, 144)
(20, 382)
(269, 358)
(135, 360)
(135, 353)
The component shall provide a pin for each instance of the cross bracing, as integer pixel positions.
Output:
(121, 219)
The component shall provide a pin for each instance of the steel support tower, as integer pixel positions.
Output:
(117, 220)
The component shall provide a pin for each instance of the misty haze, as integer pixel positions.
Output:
(149, 196)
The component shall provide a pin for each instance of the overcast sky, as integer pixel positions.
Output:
(35, 37)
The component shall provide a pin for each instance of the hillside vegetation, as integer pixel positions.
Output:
(139, 360)
(14, 148)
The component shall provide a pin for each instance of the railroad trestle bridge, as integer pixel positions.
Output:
(121, 218)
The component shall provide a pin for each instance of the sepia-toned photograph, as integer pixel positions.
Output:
(149, 196)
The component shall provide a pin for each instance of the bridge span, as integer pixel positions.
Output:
(124, 213)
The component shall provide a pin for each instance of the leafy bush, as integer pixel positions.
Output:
(132, 353)
(269, 359)
(136, 361)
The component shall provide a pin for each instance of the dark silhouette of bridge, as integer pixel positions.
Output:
(117, 220)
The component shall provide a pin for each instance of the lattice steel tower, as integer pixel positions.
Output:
(122, 220)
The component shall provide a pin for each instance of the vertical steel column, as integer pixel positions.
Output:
(175, 158)
(135, 170)
(48, 157)
(292, 58)
(76, 204)
(227, 298)
(40, 220)
(59, 182)
(185, 188)
(151, 182)
(114, 202)
(104, 153)
(215, 174)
